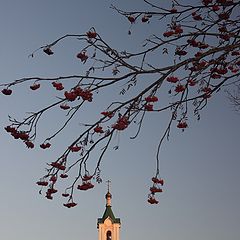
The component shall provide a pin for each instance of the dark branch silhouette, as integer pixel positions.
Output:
(201, 42)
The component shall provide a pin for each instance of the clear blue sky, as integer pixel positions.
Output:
(200, 166)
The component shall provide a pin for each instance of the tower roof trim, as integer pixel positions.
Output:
(108, 214)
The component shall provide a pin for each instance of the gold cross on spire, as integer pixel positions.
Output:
(108, 185)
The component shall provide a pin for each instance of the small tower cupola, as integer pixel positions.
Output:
(108, 196)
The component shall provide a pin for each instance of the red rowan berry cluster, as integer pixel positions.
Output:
(149, 102)
(156, 188)
(121, 123)
(86, 183)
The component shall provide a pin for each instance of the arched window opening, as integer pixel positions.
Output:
(109, 235)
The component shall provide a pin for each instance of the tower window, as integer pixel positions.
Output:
(109, 235)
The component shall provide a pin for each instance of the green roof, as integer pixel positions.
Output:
(108, 213)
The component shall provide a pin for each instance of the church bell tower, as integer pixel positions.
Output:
(108, 226)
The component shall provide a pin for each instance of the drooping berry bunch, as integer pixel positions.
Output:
(156, 188)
